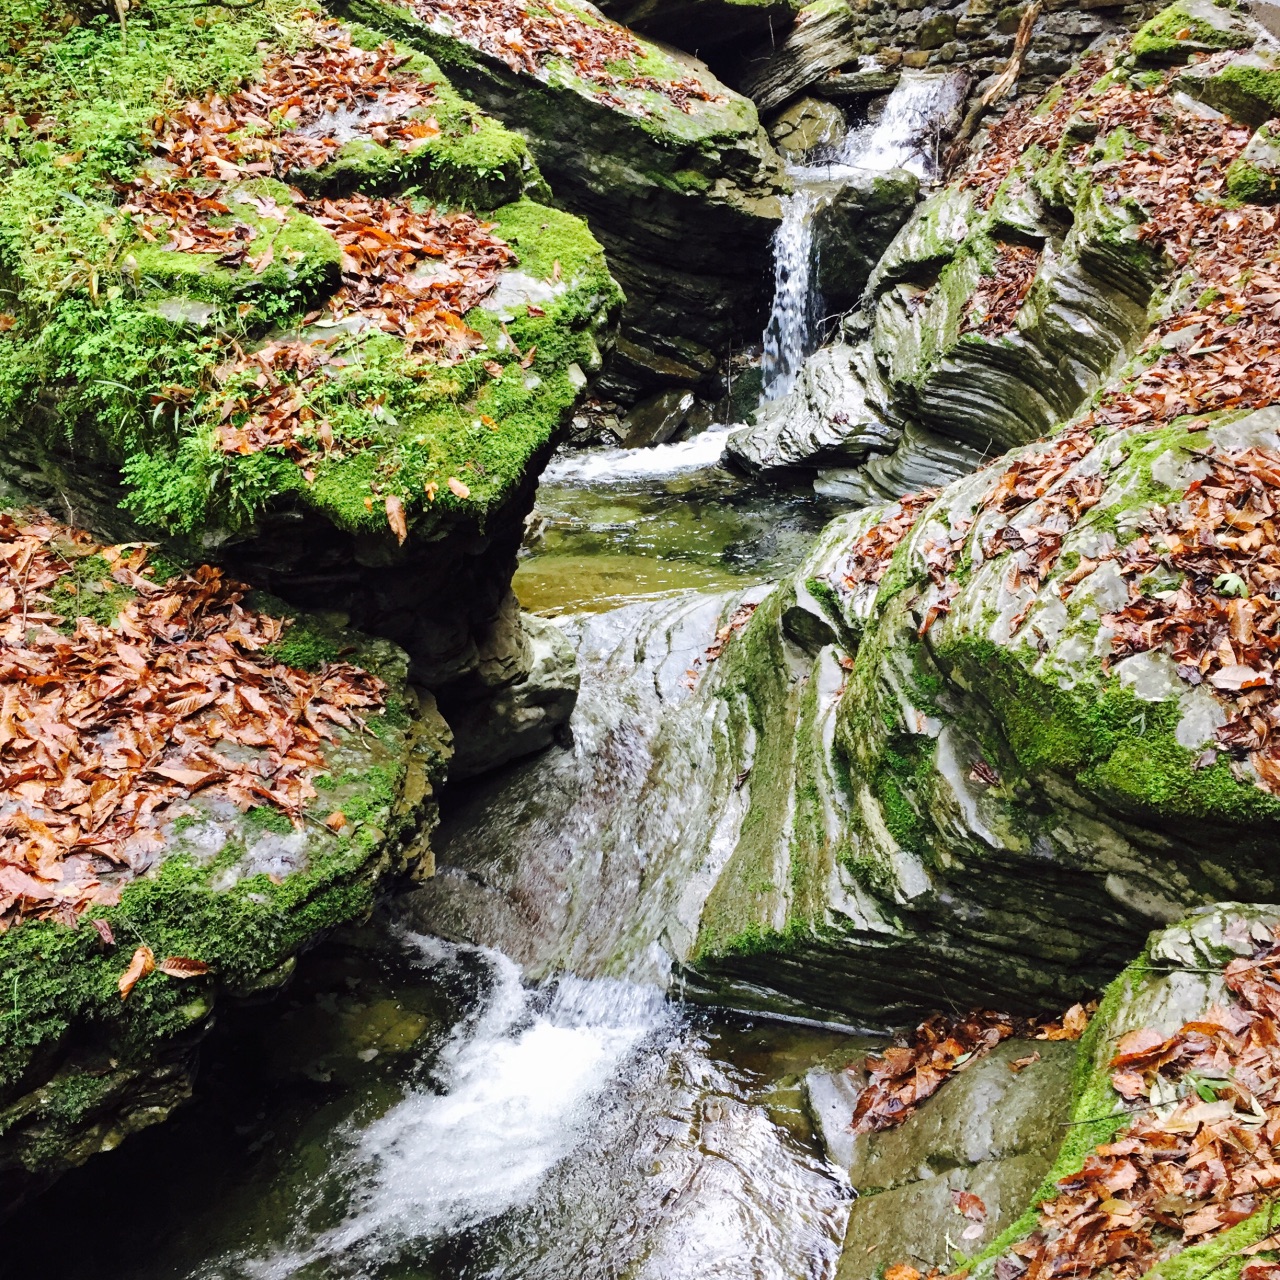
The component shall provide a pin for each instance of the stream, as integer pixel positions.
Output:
(416, 1106)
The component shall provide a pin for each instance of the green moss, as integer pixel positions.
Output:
(1108, 741)
(1174, 34)
(265, 818)
(88, 591)
(1248, 182)
(1223, 1256)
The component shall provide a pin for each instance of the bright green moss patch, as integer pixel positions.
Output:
(1111, 743)
(1177, 32)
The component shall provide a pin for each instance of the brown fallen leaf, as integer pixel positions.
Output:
(104, 931)
(457, 488)
(1021, 1064)
(182, 967)
(395, 518)
(969, 1205)
(143, 963)
(336, 820)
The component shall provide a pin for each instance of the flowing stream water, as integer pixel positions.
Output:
(538, 1107)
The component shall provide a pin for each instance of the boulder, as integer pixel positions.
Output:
(1255, 173)
(656, 420)
(1191, 27)
(1246, 86)
(805, 125)
(827, 420)
(852, 227)
(992, 1131)
(238, 890)
(823, 39)
(684, 196)
(522, 715)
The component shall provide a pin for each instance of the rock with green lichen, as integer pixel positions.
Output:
(684, 199)
(81, 1068)
(1192, 27)
(1246, 86)
(1000, 810)
(993, 1131)
(1255, 173)
(926, 390)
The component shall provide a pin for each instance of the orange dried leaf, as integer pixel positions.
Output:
(143, 963)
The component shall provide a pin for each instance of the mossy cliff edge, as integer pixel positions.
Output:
(131, 357)
(187, 359)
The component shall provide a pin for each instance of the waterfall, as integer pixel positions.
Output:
(793, 322)
(922, 110)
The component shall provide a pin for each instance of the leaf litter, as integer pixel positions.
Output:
(105, 729)
(531, 37)
(1217, 353)
(408, 271)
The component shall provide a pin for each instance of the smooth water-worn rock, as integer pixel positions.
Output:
(804, 125)
(992, 1131)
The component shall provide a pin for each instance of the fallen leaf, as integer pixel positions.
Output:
(457, 488)
(395, 518)
(181, 967)
(143, 963)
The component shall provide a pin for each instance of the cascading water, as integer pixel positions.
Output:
(906, 136)
(793, 322)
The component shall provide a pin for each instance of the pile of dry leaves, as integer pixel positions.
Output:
(993, 306)
(867, 559)
(904, 1075)
(299, 112)
(527, 37)
(103, 729)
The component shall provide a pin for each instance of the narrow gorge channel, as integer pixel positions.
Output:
(640, 641)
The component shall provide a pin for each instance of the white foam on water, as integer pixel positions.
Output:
(512, 1097)
(654, 462)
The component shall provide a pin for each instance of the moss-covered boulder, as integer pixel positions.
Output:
(1245, 85)
(670, 167)
(987, 799)
(211, 888)
(1191, 27)
(251, 345)
(1255, 174)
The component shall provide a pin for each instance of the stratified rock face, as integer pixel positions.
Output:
(822, 41)
(992, 1131)
(994, 812)
(941, 378)
(683, 195)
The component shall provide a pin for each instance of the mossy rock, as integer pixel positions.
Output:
(1246, 87)
(80, 1068)
(1254, 175)
(1189, 27)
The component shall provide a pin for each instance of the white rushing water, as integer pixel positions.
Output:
(652, 462)
(566, 1132)
(906, 136)
(792, 329)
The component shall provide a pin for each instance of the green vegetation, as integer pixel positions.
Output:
(1177, 32)
(124, 337)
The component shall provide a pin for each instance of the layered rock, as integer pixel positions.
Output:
(921, 363)
(684, 196)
